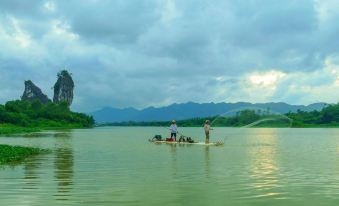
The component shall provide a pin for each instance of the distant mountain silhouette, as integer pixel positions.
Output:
(191, 110)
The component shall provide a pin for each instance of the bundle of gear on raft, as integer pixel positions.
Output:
(181, 139)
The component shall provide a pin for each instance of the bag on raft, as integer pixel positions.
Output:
(157, 138)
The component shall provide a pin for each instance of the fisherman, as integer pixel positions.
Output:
(207, 129)
(174, 130)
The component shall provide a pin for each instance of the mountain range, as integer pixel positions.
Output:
(192, 110)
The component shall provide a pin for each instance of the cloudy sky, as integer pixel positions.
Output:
(144, 53)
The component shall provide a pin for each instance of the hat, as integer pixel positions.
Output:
(173, 121)
(207, 121)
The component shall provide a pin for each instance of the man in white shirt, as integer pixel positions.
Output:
(174, 130)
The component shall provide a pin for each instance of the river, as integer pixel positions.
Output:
(118, 166)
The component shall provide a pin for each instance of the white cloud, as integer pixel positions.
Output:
(49, 6)
(62, 29)
(18, 34)
(266, 79)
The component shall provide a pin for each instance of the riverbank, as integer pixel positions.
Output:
(12, 154)
(9, 129)
(6, 129)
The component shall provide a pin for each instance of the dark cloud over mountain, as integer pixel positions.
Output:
(156, 52)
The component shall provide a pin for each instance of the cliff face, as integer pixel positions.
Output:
(33, 92)
(63, 88)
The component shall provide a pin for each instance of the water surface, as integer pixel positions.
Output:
(118, 166)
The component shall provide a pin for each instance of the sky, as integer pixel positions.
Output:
(141, 53)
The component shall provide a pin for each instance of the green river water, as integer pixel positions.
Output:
(118, 166)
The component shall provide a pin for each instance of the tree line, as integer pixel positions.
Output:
(327, 117)
(35, 114)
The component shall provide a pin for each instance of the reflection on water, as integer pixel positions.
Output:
(264, 168)
(173, 148)
(207, 161)
(64, 165)
(31, 174)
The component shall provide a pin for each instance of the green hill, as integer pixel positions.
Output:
(26, 116)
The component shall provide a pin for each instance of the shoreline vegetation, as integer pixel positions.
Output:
(14, 154)
(7, 129)
(33, 116)
(328, 117)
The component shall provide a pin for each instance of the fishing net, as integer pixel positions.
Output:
(252, 117)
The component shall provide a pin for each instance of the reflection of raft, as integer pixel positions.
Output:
(188, 143)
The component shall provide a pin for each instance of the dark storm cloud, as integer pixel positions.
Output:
(111, 22)
(155, 52)
(21, 7)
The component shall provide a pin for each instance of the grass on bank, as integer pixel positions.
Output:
(9, 129)
(11, 154)
(6, 129)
